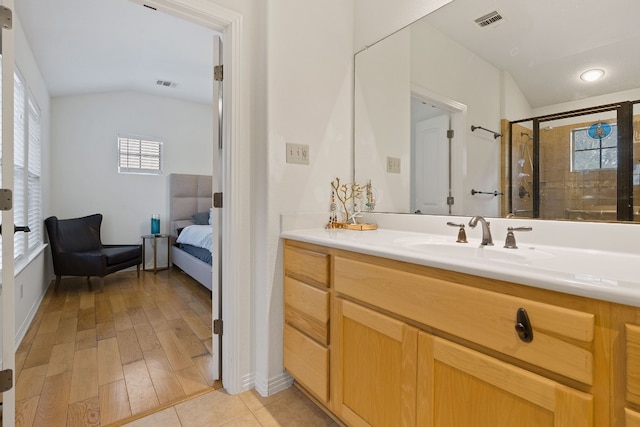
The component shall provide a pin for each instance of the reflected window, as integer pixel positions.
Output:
(594, 147)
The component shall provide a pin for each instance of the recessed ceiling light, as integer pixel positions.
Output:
(592, 75)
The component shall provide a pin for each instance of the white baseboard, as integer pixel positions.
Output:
(273, 385)
(22, 330)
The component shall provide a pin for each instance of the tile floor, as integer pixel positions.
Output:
(216, 409)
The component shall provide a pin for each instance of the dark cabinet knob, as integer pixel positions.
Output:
(523, 326)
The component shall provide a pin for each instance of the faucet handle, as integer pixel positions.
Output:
(462, 235)
(510, 241)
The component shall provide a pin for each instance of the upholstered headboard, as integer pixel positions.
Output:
(188, 195)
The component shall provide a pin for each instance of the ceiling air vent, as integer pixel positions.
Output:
(166, 83)
(488, 19)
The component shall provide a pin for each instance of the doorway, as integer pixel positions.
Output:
(231, 25)
(437, 152)
(430, 155)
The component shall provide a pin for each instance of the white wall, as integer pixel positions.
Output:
(383, 114)
(447, 68)
(514, 105)
(85, 176)
(309, 100)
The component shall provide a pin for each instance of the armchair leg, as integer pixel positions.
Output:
(58, 278)
(138, 270)
(89, 283)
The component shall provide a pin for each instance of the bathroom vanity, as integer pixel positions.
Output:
(393, 328)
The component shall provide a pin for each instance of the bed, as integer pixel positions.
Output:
(189, 205)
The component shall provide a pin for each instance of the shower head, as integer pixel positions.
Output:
(526, 134)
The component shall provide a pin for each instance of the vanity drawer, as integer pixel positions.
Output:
(306, 265)
(307, 361)
(561, 337)
(307, 308)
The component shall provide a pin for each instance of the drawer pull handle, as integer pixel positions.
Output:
(523, 326)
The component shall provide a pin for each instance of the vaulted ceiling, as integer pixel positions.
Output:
(117, 45)
(103, 45)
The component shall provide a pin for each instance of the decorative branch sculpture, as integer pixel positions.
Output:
(346, 193)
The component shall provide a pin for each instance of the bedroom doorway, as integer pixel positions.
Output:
(227, 23)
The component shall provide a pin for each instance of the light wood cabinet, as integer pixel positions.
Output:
(458, 386)
(562, 337)
(632, 374)
(375, 367)
(380, 342)
(306, 316)
(633, 362)
(307, 361)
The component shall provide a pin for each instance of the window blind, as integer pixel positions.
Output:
(139, 155)
(34, 171)
(19, 160)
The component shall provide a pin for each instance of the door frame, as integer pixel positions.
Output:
(235, 184)
(458, 161)
(216, 224)
(8, 279)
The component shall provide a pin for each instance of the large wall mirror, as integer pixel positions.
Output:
(446, 111)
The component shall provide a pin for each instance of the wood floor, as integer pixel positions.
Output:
(91, 359)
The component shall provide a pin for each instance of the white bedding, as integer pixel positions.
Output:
(197, 235)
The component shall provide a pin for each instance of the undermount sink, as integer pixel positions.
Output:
(586, 265)
(474, 252)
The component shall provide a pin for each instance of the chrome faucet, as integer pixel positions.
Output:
(487, 240)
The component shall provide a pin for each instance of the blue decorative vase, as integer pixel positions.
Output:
(155, 224)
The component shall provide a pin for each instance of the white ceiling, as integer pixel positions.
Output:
(102, 45)
(546, 44)
(85, 46)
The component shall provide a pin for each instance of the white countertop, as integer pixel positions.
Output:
(604, 275)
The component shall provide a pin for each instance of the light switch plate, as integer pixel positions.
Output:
(298, 153)
(393, 165)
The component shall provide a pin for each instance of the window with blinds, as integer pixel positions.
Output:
(27, 193)
(139, 155)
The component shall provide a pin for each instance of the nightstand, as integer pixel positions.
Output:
(155, 238)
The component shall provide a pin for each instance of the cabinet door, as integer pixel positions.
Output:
(633, 362)
(374, 363)
(458, 386)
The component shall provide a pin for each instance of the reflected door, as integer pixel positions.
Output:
(430, 174)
